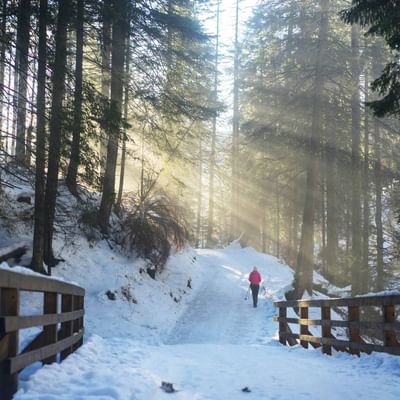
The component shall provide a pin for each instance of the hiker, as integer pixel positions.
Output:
(255, 280)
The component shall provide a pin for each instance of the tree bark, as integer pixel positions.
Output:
(3, 46)
(56, 118)
(124, 138)
(38, 234)
(199, 195)
(22, 50)
(235, 134)
(331, 205)
(119, 32)
(72, 174)
(378, 208)
(355, 164)
(322, 183)
(105, 71)
(305, 258)
(366, 214)
(210, 225)
(277, 220)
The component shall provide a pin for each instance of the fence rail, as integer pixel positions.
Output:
(385, 331)
(61, 320)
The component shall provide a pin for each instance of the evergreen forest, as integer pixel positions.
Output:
(164, 131)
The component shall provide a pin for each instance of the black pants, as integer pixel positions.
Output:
(254, 291)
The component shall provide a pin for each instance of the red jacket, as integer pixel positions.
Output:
(255, 278)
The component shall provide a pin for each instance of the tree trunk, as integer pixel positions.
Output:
(277, 220)
(38, 235)
(105, 72)
(305, 258)
(33, 96)
(322, 193)
(263, 227)
(295, 226)
(9, 144)
(119, 33)
(72, 174)
(355, 163)
(124, 138)
(210, 226)
(235, 134)
(378, 208)
(22, 50)
(2, 63)
(199, 196)
(331, 205)
(365, 250)
(56, 118)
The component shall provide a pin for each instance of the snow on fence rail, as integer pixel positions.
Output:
(363, 335)
(62, 330)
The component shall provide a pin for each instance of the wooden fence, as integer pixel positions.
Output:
(62, 322)
(362, 334)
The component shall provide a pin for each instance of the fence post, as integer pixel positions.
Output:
(76, 323)
(50, 331)
(326, 329)
(389, 316)
(66, 327)
(354, 331)
(282, 325)
(9, 305)
(304, 328)
(82, 306)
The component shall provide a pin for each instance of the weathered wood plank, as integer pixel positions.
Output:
(343, 324)
(50, 331)
(389, 335)
(11, 279)
(4, 347)
(354, 331)
(288, 335)
(10, 324)
(326, 329)
(66, 327)
(19, 362)
(303, 328)
(282, 325)
(35, 343)
(9, 305)
(310, 339)
(342, 302)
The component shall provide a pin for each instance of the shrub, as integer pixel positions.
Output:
(151, 226)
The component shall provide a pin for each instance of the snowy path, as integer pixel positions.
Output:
(220, 315)
(219, 345)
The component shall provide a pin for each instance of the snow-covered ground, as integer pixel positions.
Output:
(207, 340)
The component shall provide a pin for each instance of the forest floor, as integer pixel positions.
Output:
(207, 340)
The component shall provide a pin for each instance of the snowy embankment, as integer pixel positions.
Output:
(207, 340)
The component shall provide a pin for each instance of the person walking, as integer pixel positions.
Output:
(255, 280)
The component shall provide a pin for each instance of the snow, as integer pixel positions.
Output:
(207, 340)
(28, 271)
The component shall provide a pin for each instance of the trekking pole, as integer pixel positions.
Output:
(264, 290)
(247, 294)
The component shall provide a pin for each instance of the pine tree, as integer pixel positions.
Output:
(72, 174)
(119, 34)
(40, 177)
(22, 49)
(55, 126)
(211, 202)
(355, 162)
(305, 259)
(381, 18)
